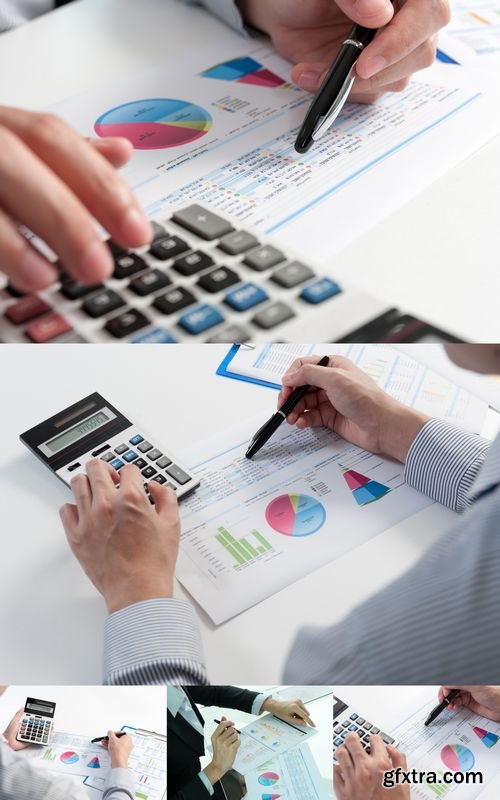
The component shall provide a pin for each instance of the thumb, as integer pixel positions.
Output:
(309, 77)
(369, 13)
(117, 150)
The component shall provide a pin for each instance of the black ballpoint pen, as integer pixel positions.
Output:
(271, 426)
(106, 738)
(335, 89)
(442, 706)
(218, 721)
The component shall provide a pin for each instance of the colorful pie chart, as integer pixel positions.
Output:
(70, 757)
(155, 124)
(457, 758)
(295, 514)
(268, 778)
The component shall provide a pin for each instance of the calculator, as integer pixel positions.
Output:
(346, 721)
(205, 278)
(37, 722)
(94, 428)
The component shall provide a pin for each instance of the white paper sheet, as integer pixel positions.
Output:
(233, 553)
(476, 24)
(71, 754)
(404, 378)
(266, 737)
(291, 776)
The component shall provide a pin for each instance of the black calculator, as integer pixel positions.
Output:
(346, 720)
(37, 722)
(94, 428)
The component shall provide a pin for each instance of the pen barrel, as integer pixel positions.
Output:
(294, 399)
(364, 36)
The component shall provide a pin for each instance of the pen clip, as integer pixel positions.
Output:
(326, 122)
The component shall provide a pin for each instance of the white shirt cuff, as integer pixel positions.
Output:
(206, 783)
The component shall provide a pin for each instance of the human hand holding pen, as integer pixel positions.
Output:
(482, 700)
(225, 745)
(346, 400)
(310, 33)
(119, 748)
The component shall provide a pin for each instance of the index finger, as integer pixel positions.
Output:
(377, 747)
(102, 479)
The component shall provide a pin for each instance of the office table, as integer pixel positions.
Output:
(47, 601)
(436, 256)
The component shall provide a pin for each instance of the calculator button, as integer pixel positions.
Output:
(321, 290)
(229, 334)
(26, 309)
(102, 303)
(154, 454)
(170, 247)
(163, 462)
(128, 265)
(352, 728)
(150, 282)
(154, 336)
(47, 329)
(338, 729)
(148, 472)
(346, 723)
(108, 457)
(264, 258)
(386, 738)
(159, 479)
(174, 300)
(238, 242)
(74, 290)
(74, 466)
(193, 263)
(273, 315)
(353, 716)
(117, 463)
(116, 249)
(137, 439)
(127, 323)
(159, 232)
(360, 721)
(145, 446)
(204, 223)
(338, 742)
(140, 463)
(122, 448)
(245, 297)
(171, 486)
(218, 280)
(201, 319)
(292, 275)
(130, 456)
(375, 731)
(367, 726)
(178, 474)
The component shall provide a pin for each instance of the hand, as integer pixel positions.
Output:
(54, 182)
(126, 546)
(225, 745)
(346, 400)
(293, 711)
(482, 700)
(12, 730)
(310, 34)
(359, 775)
(119, 749)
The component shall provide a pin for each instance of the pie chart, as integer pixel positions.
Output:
(457, 757)
(70, 757)
(295, 514)
(268, 778)
(155, 124)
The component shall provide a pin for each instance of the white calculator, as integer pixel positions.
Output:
(37, 722)
(346, 720)
(93, 428)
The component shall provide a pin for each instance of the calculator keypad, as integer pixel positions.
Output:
(360, 726)
(34, 730)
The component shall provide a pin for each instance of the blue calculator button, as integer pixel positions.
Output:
(338, 742)
(320, 290)
(137, 439)
(117, 463)
(130, 456)
(353, 728)
(354, 716)
(155, 336)
(200, 319)
(245, 297)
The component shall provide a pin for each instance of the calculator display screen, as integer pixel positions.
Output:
(77, 432)
(36, 707)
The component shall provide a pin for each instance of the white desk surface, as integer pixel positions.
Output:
(93, 710)
(46, 600)
(448, 274)
(320, 710)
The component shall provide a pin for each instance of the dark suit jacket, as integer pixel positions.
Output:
(186, 745)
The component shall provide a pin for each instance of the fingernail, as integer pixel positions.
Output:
(97, 263)
(309, 80)
(34, 272)
(370, 8)
(137, 227)
(373, 65)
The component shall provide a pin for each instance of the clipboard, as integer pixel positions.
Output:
(223, 371)
(160, 737)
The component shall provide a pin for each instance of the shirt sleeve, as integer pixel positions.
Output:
(153, 643)
(20, 780)
(259, 702)
(226, 10)
(206, 783)
(444, 461)
(120, 785)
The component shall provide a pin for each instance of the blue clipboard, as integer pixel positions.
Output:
(224, 373)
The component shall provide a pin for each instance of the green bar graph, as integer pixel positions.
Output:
(49, 755)
(243, 550)
(439, 789)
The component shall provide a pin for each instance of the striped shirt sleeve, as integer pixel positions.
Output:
(154, 642)
(444, 461)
